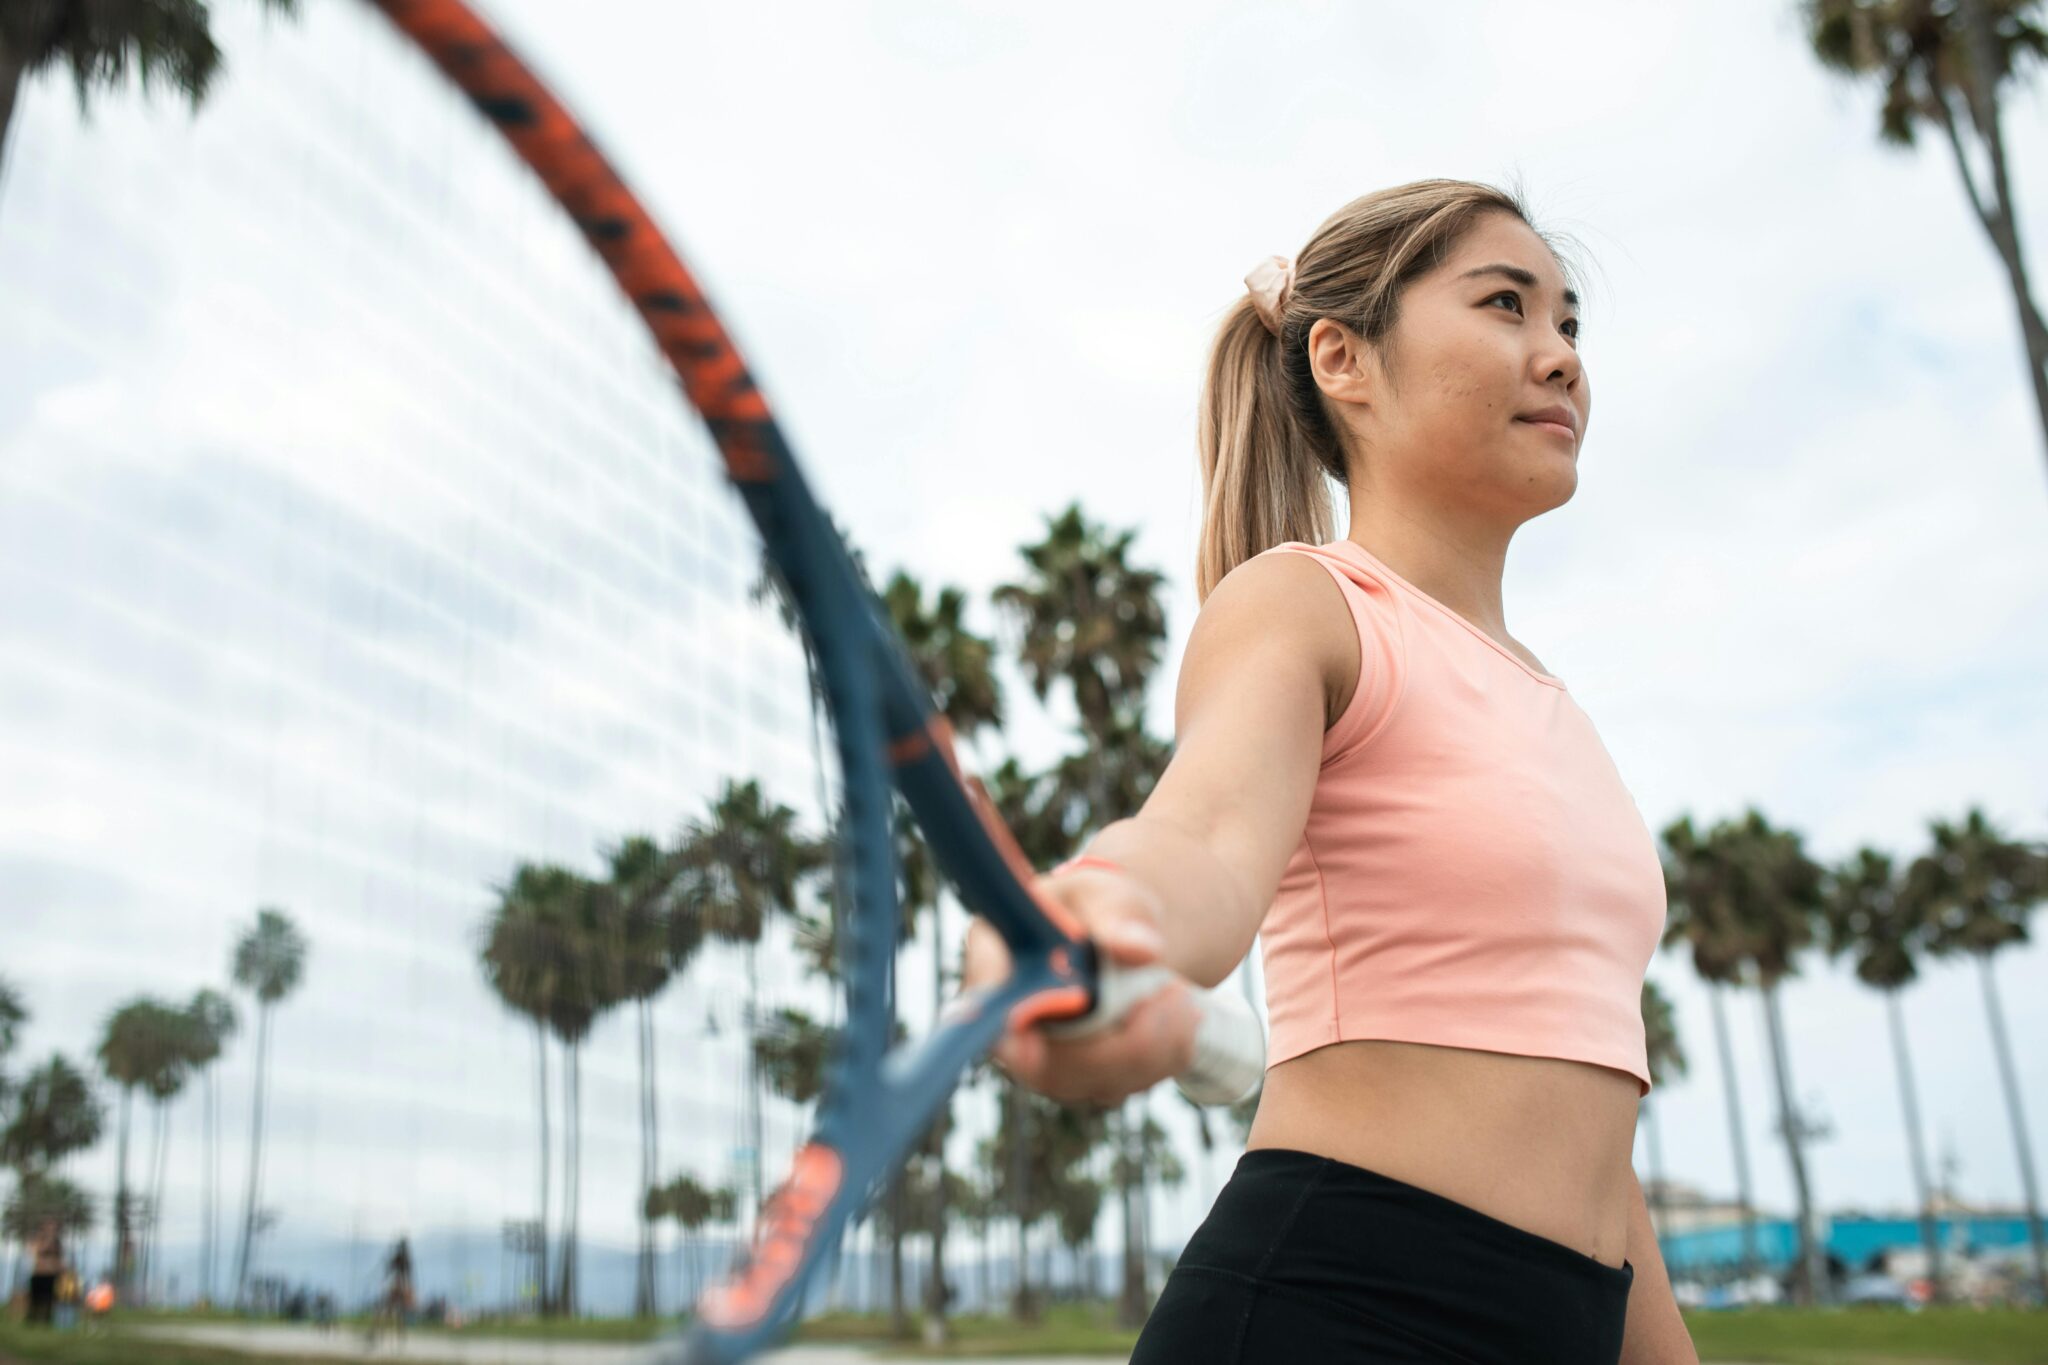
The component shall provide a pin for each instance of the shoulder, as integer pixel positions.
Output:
(1285, 608)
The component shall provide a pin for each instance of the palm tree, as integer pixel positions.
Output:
(643, 884)
(1092, 621)
(1030, 804)
(213, 1022)
(172, 1067)
(747, 863)
(1700, 914)
(41, 1199)
(1667, 1058)
(136, 1045)
(1086, 617)
(102, 40)
(1883, 919)
(575, 909)
(1931, 56)
(1982, 886)
(268, 961)
(691, 1205)
(522, 966)
(54, 1114)
(1776, 905)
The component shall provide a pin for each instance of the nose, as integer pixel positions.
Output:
(1559, 359)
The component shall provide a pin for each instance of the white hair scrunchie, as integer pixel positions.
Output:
(1270, 283)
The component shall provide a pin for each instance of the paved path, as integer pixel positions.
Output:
(343, 1345)
(471, 1350)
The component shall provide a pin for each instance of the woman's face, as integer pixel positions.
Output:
(1485, 346)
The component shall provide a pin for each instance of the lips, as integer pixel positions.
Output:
(1555, 415)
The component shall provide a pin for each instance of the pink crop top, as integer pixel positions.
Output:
(1473, 872)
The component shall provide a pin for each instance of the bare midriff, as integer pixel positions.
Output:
(1540, 1143)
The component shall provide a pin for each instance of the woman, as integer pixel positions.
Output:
(1457, 895)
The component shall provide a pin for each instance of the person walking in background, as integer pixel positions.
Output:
(48, 1264)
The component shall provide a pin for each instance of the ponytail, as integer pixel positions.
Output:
(1268, 440)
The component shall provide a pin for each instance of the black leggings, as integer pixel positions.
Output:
(1310, 1259)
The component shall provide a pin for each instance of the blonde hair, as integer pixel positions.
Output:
(1267, 437)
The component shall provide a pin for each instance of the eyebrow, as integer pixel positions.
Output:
(1521, 277)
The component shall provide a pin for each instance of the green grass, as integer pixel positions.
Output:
(1066, 1330)
(39, 1346)
(1771, 1336)
(1872, 1336)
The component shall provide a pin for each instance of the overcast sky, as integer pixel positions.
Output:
(975, 254)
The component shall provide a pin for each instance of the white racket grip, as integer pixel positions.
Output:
(1230, 1043)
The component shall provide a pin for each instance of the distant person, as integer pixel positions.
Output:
(99, 1303)
(68, 1293)
(48, 1250)
(397, 1298)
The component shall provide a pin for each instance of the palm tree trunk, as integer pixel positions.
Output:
(1020, 1183)
(124, 1209)
(899, 1319)
(572, 1175)
(753, 1096)
(643, 1288)
(1811, 1253)
(2019, 1119)
(152, 1177)
(1130, 1309)
(935, 1304)
(1998, 220)
(255, 1157)
(156, 1197)
(1735, 1135)
(1910, 1101)
(208, 1100)
(541, 1290)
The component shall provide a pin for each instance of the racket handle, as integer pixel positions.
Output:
(1230, 1043)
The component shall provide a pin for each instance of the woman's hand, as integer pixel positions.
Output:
(1154, 1041)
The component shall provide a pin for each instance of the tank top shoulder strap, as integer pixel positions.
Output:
(1382, 649)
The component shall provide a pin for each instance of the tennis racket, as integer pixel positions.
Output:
(877, 1102)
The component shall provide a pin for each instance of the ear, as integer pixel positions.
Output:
(1344, 366)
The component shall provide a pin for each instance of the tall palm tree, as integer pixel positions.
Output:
(1777, 911)
(268, 961)
(1882, 918)
(747, 864)
(1667, 1059)
(212, 1022)
(1031, 804)
(100, 41)
(521, 964)
(1936, 60)
(642, 888)
(136, 1043)
(583, 938)
(1982, 887)
(958, 668)
(1091, 621)
(172, 1067)
(1700, 914)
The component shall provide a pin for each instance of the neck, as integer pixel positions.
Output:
(1459, 566)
